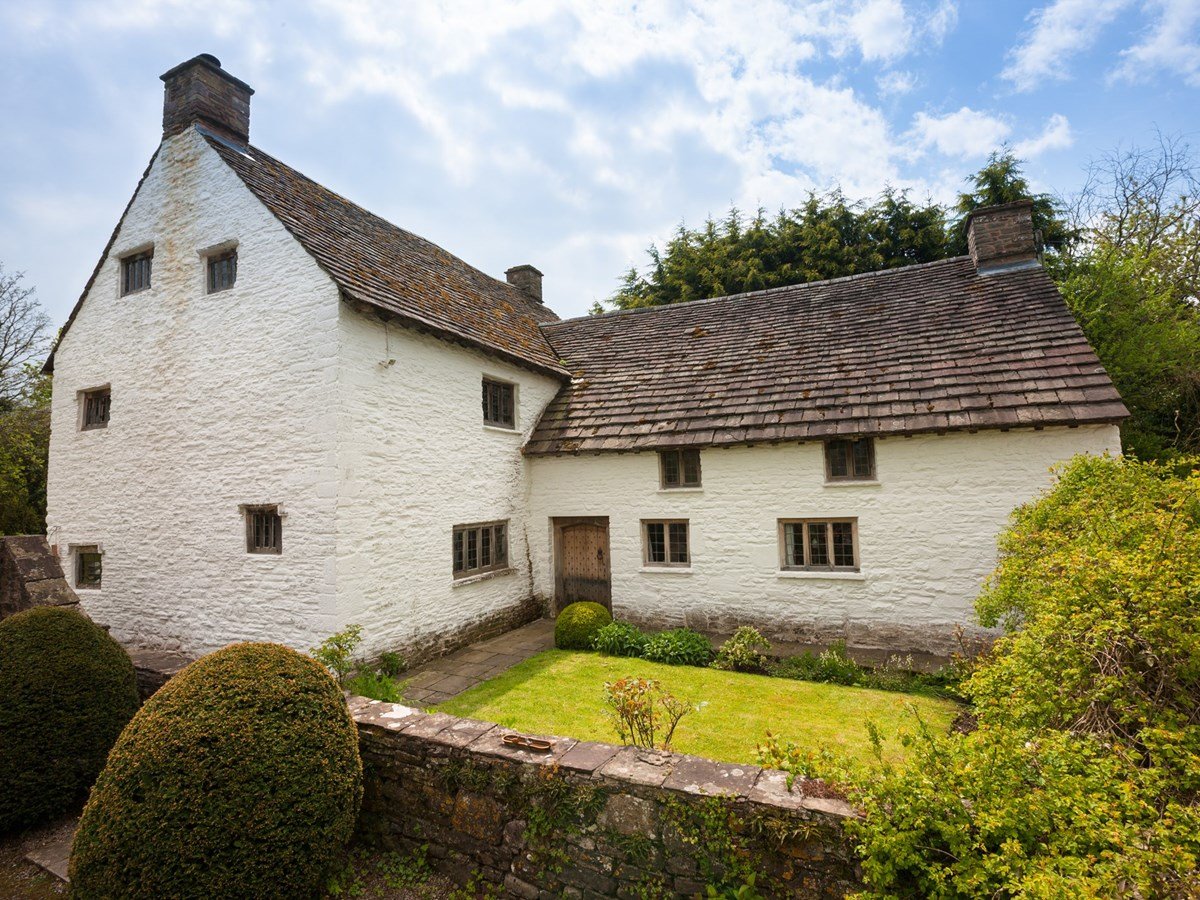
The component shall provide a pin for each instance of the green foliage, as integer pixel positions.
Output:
(714, 831)
(827, 237)
(577, 624)
(66, 691)
(376, 686)
(743, 652)
(1083, 777)
(678, 647)
(834, 666)
(831, 666)
(620, 639)
(643, 712)
(383, 874)
(24, 450)
(391, 664)
(240, 778)
(336, 652)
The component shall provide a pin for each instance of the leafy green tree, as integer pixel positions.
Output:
(24, 449)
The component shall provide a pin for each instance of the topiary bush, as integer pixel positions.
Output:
(240, 778)
(678, 647)
(620, 639)
(578, 623)
(66, 691)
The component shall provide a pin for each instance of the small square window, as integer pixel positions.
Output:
(264, 529)
(819, 544)
(849, 460)
(679, 468)
(222, 271)
(135, 272)
(89, 568)
(480, 548)
(96, 405)
(666, 542)
(499, 407)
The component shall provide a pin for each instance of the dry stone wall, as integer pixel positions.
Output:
(30, 575)
(590, 820)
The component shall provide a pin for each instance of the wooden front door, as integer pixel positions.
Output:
(582, 570)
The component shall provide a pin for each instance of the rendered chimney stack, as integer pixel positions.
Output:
(200, 92)
(1001, 238)
(526, 278)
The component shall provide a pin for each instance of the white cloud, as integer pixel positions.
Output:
(881, 29)
(1056, 135)
(966, 132)
(896, 83)
(1060, 31)
(1172, 45)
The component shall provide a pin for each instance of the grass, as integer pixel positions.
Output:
(562, 692)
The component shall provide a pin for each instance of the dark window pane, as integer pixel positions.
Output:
(656, 544)
(222, 271)
(485, 547)
(135, 272)
(843, 544)
(89, 570)
(670, 468)
(691, 468)
(264, 531)
(501, 549)
(793, 538)
(96, 405)
(818, 544)
(679, 541)
(838, 463)
(472, 549)
(458, 551)
(499, 406)
(862, 458)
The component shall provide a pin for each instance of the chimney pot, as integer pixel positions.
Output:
(200, 92)
(526, 278)
(1001, 238)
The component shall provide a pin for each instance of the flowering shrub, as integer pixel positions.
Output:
(644, 713)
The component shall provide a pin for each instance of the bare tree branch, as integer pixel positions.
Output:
(24, 333)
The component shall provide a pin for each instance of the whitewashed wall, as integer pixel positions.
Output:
(217, 400)
(927, 532)
(416, 460)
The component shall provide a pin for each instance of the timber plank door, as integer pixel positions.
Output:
(581, 565)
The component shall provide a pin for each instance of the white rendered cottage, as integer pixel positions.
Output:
(276, 414)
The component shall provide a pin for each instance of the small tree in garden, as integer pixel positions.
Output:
(336, 652)
(644, 713)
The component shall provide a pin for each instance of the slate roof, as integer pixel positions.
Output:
(376, 263)
(925, 348)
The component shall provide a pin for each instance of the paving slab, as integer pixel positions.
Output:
(53, 851)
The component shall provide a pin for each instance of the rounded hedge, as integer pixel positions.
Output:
(240, 778)
(66, 691)
(578, 623)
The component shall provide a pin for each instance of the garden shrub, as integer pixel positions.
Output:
(376, 686)
(239, 778)
(577, 624)
(1083, 777)
(66, 691)
(745, 651)
(620, 639)
(678, 647)
(644, 713)
(336, 652)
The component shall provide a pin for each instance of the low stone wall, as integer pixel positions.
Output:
(590, 820)
(31, 575)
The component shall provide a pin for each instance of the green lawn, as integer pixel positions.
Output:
(562, 692)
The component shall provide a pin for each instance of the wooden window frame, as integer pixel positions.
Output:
(213, 259)
(510, 387)
(806, 524)
(85, 555)
(253, 547)
(483, 534)
(681, 467)
(667, 562)
(95, 408)
(852, 467)
(127, 262)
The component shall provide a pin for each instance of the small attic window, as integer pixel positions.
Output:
(222, 270)
(499, 404)
(96, 406)
(135, 272)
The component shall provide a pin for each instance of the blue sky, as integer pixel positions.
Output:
(569, 134)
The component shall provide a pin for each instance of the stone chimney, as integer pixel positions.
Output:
(1001, 238)
(526, 278)
(200, 92)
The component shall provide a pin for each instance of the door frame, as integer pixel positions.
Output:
(557, 524)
